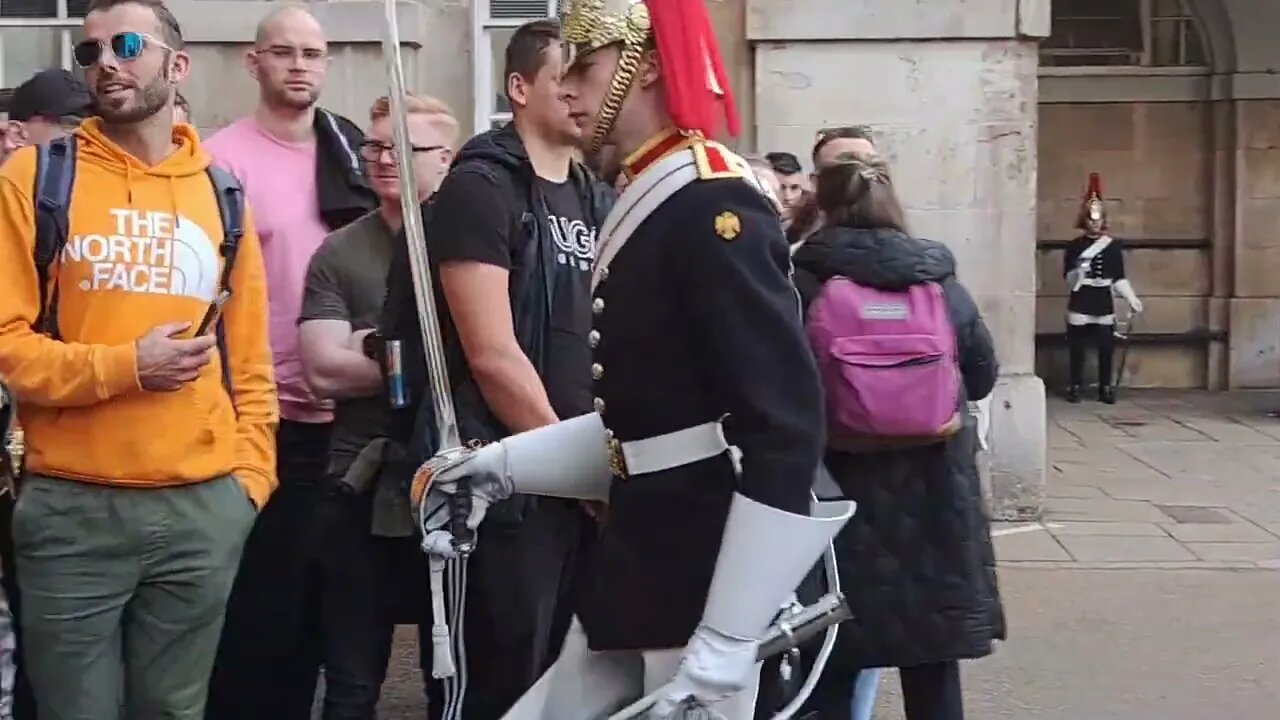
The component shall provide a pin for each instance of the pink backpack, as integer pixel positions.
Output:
(888, 365)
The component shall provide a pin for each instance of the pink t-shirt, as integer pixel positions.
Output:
(279, 180)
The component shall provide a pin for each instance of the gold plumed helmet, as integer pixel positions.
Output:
(694, 79)
(1092, 208)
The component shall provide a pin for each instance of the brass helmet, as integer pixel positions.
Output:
(1092, 208)
(696, 86)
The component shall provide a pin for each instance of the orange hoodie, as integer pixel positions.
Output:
(142, 250)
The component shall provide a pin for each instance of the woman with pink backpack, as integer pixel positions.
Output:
(902, 349)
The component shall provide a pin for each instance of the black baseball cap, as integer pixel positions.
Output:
(51, 93)
(784, 163)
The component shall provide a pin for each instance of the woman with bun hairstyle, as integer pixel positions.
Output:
(916, 560)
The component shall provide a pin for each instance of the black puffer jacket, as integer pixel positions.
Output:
(916, 560)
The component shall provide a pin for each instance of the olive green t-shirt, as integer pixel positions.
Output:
(347, 280)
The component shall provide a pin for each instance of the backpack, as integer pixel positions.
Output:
(888, 362)
(55, 177)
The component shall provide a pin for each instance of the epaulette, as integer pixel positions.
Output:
(715, 161)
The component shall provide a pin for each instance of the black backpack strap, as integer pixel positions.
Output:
(230, 198)
(55, 176)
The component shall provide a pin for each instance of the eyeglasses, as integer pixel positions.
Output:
(285, 53)
(371, 150)
(126, 46)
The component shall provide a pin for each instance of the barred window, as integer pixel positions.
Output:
(1129, 33)
(36, 34)
(496, 21)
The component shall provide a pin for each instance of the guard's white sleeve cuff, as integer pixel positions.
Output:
(1126, 291)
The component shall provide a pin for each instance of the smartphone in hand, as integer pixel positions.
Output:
(214, 312)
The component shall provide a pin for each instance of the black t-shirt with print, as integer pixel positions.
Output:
(475, 217)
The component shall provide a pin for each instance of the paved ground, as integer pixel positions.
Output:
(1150, 590)
(1152, 587)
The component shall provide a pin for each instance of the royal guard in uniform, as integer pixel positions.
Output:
(1094, 270)
(708, 426)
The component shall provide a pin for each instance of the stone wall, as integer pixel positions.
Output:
(436, 51)
(1255, 307)
(1156, 163)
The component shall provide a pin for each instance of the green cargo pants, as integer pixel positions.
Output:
(125, 590)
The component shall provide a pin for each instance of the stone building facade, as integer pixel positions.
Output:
(992, 113)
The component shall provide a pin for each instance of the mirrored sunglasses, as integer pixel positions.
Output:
(126, 46)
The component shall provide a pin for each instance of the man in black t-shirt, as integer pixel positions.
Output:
(511, 238)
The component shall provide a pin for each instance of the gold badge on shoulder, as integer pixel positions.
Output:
(728, 225)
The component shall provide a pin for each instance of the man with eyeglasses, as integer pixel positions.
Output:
(828, 144)
(303, 178)
(47, 105)
(373, 572)
(148, 439)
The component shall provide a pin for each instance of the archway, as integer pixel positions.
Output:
(1126, 91)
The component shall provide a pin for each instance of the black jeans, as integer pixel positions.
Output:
(932, 692)
(929, 692)
(518, 602)
(1079, 338)
(368, 585)
(269, 656)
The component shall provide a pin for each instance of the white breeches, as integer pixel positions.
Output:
(586, 685)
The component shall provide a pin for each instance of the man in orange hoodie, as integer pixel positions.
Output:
(144, 471)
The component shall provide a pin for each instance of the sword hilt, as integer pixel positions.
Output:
(460, 504)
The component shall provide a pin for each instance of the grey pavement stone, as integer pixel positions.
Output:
(1062, 439)
(1126, 645)
(1123, 549)
(1128, 529)
(1235, 550)
(1162, 565)
(1226, 430)
(1235, 532)
(1069, 490)
(1195, 514)
(1093, 510)
(1167, 431)
(1165, 491)
(1038, 545)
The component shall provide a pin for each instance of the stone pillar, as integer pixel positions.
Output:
(950, 88)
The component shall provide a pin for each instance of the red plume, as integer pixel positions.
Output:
(1095, 186)
(688, 49)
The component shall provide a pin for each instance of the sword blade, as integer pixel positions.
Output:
(428, 319)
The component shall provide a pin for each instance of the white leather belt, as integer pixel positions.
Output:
(672, 450)
(1096, 282)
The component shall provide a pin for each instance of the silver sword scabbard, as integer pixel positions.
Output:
(423, 293)
(446, 418)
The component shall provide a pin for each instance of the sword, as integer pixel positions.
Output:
(428, 319)
(448, 436)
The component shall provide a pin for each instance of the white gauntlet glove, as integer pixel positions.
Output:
(481, 472)
(715, 666)
(1125, 291)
